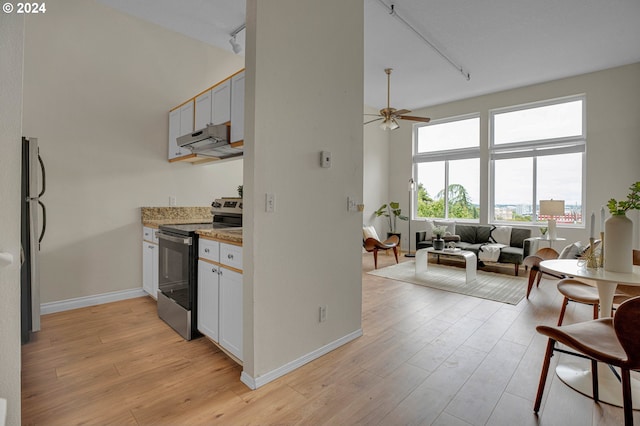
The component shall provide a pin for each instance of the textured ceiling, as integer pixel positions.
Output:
(502, 43)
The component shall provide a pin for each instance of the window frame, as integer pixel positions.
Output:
(535, 149)
(444, 156)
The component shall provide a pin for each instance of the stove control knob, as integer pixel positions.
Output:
(216, 205)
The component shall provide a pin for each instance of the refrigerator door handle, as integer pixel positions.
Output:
(44, 221)
(44, 180)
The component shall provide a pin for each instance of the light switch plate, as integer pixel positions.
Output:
(270, 202)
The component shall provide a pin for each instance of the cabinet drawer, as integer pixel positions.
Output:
(231, 255)
(208, 249)
(148, 234)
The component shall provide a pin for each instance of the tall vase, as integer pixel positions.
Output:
(618, 244)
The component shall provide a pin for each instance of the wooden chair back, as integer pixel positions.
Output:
(626, 323)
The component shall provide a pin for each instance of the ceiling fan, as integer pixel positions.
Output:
(389, 116)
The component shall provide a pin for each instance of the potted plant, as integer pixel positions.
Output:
(438, 242)
(392, 212)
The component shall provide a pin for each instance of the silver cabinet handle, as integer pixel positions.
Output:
(151, 247)
(206, 250)
(229, 256)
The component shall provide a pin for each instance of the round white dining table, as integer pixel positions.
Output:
(577, 374)
(606, 281)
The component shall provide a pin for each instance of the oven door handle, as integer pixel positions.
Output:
(179, 240)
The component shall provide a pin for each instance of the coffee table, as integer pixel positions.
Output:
(471, 261)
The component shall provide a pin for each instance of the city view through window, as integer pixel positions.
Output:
(537, 152)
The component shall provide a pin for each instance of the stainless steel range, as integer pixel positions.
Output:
(178, 266)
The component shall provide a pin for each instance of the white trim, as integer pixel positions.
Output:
(97, 299)
(255, 383)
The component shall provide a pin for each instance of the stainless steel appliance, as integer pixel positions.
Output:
(212, 141)
(33, 187)
(178, 266)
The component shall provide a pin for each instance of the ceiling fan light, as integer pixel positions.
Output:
(389, 124)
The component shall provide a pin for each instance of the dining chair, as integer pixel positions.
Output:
(615, 341)
(532, 262)
(580, 292)
(372, 243)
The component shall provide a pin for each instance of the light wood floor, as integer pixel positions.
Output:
(426, 357)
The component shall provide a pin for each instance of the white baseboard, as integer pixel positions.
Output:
(255, 383)
(83, 302)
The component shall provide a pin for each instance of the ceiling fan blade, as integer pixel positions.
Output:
(414, 118)
(401, 112)
(371, 121)
(374, 115)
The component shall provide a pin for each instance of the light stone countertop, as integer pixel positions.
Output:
(233, 235)
(153, 217)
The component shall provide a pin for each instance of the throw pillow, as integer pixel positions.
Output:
(501, 235)
(572, 251)
(369, 232)
(451, 226)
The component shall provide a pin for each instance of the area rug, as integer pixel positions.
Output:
(488, 285)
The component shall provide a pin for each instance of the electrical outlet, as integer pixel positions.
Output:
(323, 313)
(172, 201)
(325, 160)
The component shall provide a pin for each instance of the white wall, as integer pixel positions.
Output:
(11, 51)
(304, 95)
(613, 136)
(98, 88)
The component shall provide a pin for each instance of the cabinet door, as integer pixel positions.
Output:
(186, 118)
(208, 300)
(231, 255)
(221, 106)
(237, 107)
(203, 110)
(150, 268)
(180, 123)
(174, 132)
(231, 311)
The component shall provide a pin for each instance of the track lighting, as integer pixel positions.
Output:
(237, 48)
(392, 12)
(235, 45)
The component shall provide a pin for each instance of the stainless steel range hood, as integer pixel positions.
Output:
(212, 141)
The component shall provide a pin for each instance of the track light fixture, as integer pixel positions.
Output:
(237, 48)
(392, 12)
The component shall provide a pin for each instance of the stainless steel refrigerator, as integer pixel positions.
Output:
(33, 225)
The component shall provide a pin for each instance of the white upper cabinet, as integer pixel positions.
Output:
(237, 107)
(221, 103)
(180, 123)
(186, 118)
(203, 110)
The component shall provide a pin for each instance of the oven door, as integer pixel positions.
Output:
(174, 263)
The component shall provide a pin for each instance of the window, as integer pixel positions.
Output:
(447, 155)
(537, 153)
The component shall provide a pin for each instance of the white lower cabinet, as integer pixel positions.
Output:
(149, 263)
(208, 299)
(220, 294)
(231, 311)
